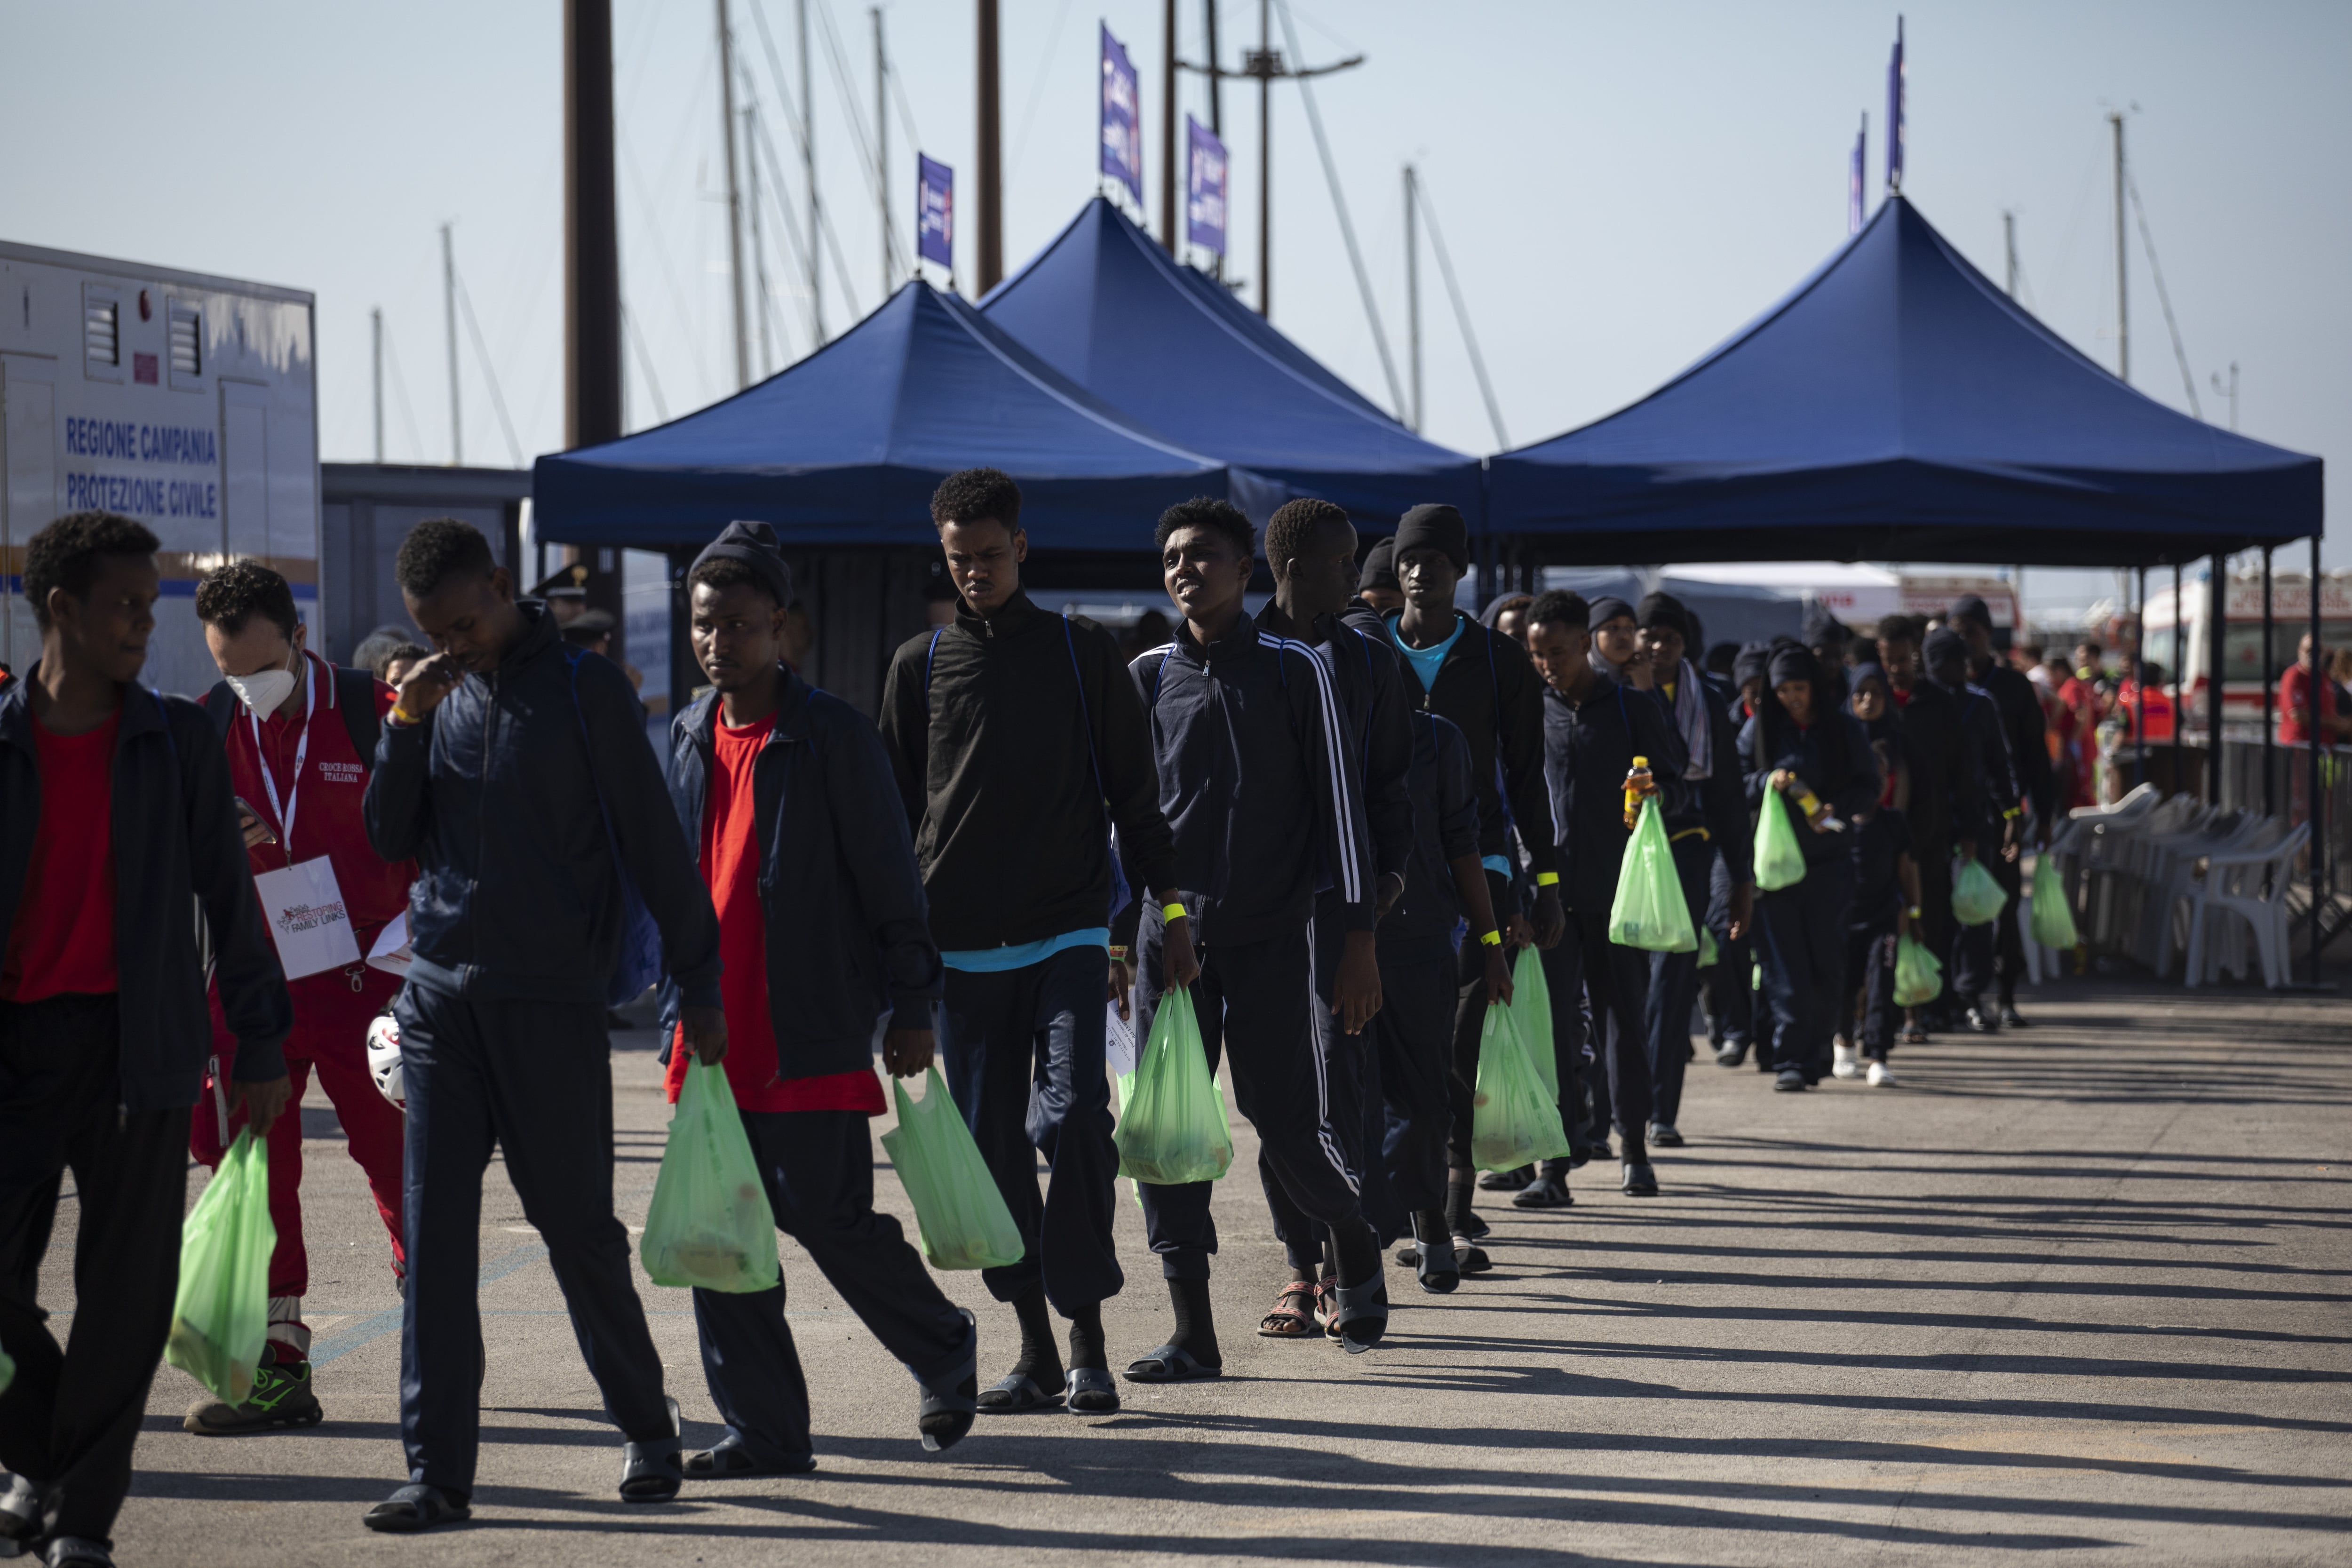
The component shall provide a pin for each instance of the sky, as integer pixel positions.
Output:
(1619, 186)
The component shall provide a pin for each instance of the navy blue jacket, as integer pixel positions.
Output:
(1982, 745)
(1783, 745)
(1444, 828)
(1588, 751)
(1257, 782)
(495, 796)
(176, 840)
(847, 930)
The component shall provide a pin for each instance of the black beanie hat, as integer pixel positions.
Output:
(1822, 629)
(1664, 610)
(1793, 663)
(1606, 609)
(1380, 565)
(754, 544)
(1750, 665)
(1968, 607)
(1433, 525)
(1944, 644)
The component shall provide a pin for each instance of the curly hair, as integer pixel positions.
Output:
(1209, 512)
(1294, 526)
(232, 595)
(1559, 605)
(977, 495)
(437, 550)
(65, 554)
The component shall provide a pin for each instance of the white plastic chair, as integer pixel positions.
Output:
(2247, 887)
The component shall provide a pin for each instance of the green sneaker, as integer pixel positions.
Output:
(281, 1397)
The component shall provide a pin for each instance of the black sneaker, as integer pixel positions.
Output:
(2011, 1018)
(1731, 1056)
(1983, 1021)
(1639, 1180)
(1664, 1135)
(1791, 1081)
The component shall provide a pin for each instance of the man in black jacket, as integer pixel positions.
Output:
(1709, 834)
(787, 792)
(1482, 681)
(1262, 793)
(1310, 547)
(514, 771)
(1017, 743)
(2025, 728)
(1988, 827)
(1947, 789)
(115, 815)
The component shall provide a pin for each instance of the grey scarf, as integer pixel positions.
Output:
(1691, 719)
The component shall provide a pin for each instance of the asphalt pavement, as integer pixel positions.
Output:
(2080, 1289)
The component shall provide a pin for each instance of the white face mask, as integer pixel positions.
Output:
(262, 692)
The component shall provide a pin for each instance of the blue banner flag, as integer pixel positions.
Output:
(1895, 113)
(935, 211)
(1854, 176)
(1204, 198)
(1122, 131)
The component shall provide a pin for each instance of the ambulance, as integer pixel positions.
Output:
(185, 401)
(2250, 667)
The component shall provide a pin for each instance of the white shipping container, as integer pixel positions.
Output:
(187, 402)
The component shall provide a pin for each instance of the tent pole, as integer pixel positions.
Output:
(2315, 814)
(2179, 651)
(2139, 682)
(1265, 159)
(2263, 669)
(2217, 651)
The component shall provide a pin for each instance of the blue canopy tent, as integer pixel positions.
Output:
(846, 447)
(1898, 407)
(1171, 348)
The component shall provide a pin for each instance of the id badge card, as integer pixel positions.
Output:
(304, 907)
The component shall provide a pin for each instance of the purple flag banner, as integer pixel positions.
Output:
(1122, 130)
(1854, 176)
(1895, 111)
(1205, 182)
(935, 211)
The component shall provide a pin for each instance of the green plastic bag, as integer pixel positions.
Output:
(1918, 977)
(709, 1227)
(8, 1372)
(1512, 1121)
(220, 1317)
(961, 1215)
(1531, 999)
(1977, 899)
(1709, 955)
(1779, 863)
(1172, 1129)
(2053, 917)
(1649, 913)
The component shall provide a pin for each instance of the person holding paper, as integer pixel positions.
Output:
(300, 738)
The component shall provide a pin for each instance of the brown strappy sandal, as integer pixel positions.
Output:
(1292, 1318)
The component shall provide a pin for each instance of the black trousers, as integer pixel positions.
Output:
(1868, 993)
(72, 1414)
(1617, 984)
(535, 1080)
(818, 1169)
(1253, 1001)
(1990, 957)
(1407, 1109)
(1581, 1113)
(1727, 990)
(1801, 943)
(1674, 986)
(1350, 1079)
(1022, 1050)
(1469, 1023)
(1937, 930)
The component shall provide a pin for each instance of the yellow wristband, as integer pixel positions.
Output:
(1547, 878)
(1172, 912)
(1492, 939)
(400, 715)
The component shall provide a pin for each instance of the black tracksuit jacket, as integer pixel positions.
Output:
(1013, 737)
(2025, 728)
(1444, 828)
(1781, 744)
(1488, 688)
(1258, 783)
(1946, 788)
(1369, 684)
(511, 798)
(1984, 751)
(174, 820)
(847, 934)
(1716, 802)
(1588, 751)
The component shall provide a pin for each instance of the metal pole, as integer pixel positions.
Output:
(2122, 305)
(734, 201)
(449, 315)
(375, 326)
(1413, 289)
(2139, 684)
(1265, 160)
(2008, 244)
(2263, 669)
(759, 248)
(2316, 813)
(1168, 127)
(592, 250)
(2179, 655)
(882, 145)
(989, 228)
(2217, 655)
(808, 173)
(1216, 94)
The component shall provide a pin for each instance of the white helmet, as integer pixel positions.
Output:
(384, 1059)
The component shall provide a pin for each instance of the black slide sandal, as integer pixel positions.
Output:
(730, 1460)
(945, 1407)
(412, 1507)
(1018, 1394)
(1170, 1363)
(1092, 1392)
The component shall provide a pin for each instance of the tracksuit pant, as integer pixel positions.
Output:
(1674, 985)
(70, 1418)
(1800, 941)
(1585, 1123)
(1254, 1002)
(1937, 930)
(535, 1080)
(1350, 1085)
(818, 1169)
(1991, 958)
(1616, 980)
(329, 1043)
(1868, 992)
(1022, 1050)
(1407, 1109)
(1728, 994)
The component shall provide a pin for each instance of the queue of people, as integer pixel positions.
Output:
(1336, 825)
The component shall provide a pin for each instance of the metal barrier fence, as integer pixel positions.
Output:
(2287, 793)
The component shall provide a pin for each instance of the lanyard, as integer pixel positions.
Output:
(285, 814)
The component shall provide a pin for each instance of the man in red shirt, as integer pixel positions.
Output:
(822, 926)
(2297, 724)
(115, 814)
(300, 737)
